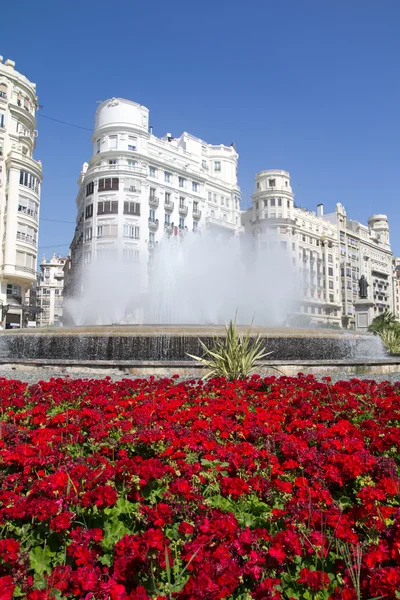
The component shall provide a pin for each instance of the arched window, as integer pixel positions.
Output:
(3, 90)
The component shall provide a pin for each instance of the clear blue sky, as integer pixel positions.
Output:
(310, 86)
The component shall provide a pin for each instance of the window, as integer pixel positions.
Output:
(2, 118)
(132, 163)
(26, 233)
(204, 164)
(107, 207)
(130, 254)
(107, 231)
(152, 215)
(152, 238)
(279, 201)
(271, 182)
(181, 202)
(112, 163)
(209, 196)
(217, 165)
(108, 184)
(330, 258)
(131, 231)
(87, 257)
(215, 198)
(288, 203)
(195, 226)
(195, 187)
(3, 90)
(168, 197)
(13, 290)
(98, 146)
(195, 207)
(132, 208)
(28, 207)
(152, 193)
(132, 143)
(258, 185)
(167, 177)
(265, 203)
(152, 171)
(272, 201)
(167, 219)
(89, 211)
(88, 234)
(89, 188)
(112, 142)
(28, 180)
(330, 271)
(257, 205)
(181, 182)
(181, 223)
(331, 285)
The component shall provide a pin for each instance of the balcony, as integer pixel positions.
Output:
(168, 228)
(28, 211)
(154, 201)
(24, 237)
(196, 213)
(153, 224)
(169, 205)
(183, 210)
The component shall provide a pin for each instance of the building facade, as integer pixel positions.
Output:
(275, 221)
(396, 287)
(330, 252)
(137, 188)
(364, 251)
(20, 181)
(49, 291)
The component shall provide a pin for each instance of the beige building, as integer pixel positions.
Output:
(20, 181)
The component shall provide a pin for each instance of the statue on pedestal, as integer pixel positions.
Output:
(363, 287)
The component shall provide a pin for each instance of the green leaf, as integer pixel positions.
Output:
(40, 560)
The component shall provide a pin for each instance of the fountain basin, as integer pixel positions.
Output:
(168, 343)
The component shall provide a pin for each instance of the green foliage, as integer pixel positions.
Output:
(383, 321)
(391, 338)
(233, 357)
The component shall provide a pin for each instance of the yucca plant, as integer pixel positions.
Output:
(383, 321)
(390, 336)
(233, 357)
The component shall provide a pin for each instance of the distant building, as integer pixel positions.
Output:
(275, 221)
(20, 181)
(331, 253)
(137, 188)
(49, 291)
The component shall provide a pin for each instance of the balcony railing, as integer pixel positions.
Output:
(168, 205)
(153, 223)
(183, 209)
(196, 213)
(25, 237)
(154, 201)
(28, 211)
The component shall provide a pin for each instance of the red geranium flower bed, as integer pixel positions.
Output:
(266, 488)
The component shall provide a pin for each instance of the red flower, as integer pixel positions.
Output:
(62, 521)
(6, 588)
(315, 580)
(9, 550)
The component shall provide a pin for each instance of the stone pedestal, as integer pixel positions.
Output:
(364, 313)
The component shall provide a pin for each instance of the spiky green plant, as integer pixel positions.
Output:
(234, 356)
(383, 321)
(390, 336)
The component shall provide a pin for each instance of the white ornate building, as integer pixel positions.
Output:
(138, 187)
(275, 221)
(49, 291)
(331, 252)
(364, 250)
(20, 180)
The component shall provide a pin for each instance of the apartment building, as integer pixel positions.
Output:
(49, 291)
(20, 181)
(137, 188)
(330, 252)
